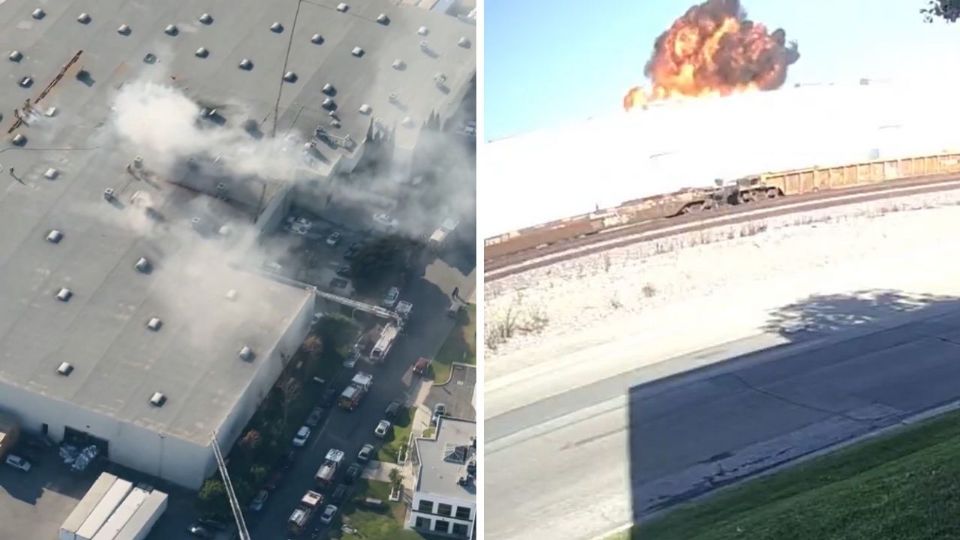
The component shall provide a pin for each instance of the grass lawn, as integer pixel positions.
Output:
(398, 436)
(905, 486)
(460, 346)
(385, 524)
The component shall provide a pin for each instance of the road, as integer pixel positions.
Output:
(579, 464)
(349, 431)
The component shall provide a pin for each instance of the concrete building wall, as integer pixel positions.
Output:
(432, 516)
(143, 449)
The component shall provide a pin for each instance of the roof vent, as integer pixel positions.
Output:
(439, 78)
(154, 324)
(290, 76)
(205, 18)
(328, 89)
(171, 30)
(328, 104)
(231, 294)
(246, 64)
(365, 109)
(50, 112)
(26, 82)
(423, 31)
(39, 14)
(19, 139)
(150, 58)
(15, 56)
(124, 29)
(407, 121)
(83, 18)
(393, 98)
(335, 123)
(158, 399)
(246, 354)
(357, 51)
(64, 294)
(463, 42)
(276, 27)
(143, 265)
(202, 52)
(342, 7)
(399, 64)
(51, 173)
(317, 38)
(383, 19)
(54, 236)
(65, 369)
(424, 46)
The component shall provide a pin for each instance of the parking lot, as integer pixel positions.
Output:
(456, 395)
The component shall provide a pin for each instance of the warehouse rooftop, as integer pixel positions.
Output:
(108, 301)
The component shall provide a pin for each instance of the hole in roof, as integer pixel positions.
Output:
(158, 399)
(54, 236)
(65, 368)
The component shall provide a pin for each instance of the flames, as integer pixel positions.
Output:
(714, 50)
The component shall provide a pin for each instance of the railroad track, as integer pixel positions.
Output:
(515, 263)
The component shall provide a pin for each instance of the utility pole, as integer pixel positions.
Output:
(234, 504)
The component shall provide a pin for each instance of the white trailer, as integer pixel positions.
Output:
(68, 531)
(122, 515)
(143, 520)
(104, 509)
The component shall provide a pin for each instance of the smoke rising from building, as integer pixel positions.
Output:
(714, 49)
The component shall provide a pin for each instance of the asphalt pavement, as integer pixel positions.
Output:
(579, 464)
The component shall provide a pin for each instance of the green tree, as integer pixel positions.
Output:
(382, 262)
(212, 499)
(948, 10)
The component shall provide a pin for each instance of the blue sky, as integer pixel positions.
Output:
(553, 62)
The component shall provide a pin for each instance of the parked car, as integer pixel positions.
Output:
(257, 503)
(329, 513)
(391, 297)
(301, 437)
(329, 397)
(352, 360)
(343, 270)
(352, 250)
(18, 462)
(438, 411)
(385, 220)
(422, 366)
(392, 409)
(353, 472)
(315, 416)
(334, 238)
(339, 494)
(382, 429)
(364, 455)
(200, 531)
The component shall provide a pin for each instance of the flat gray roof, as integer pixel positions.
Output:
(442, 461)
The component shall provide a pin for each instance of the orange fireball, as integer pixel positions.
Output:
(714, 50)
